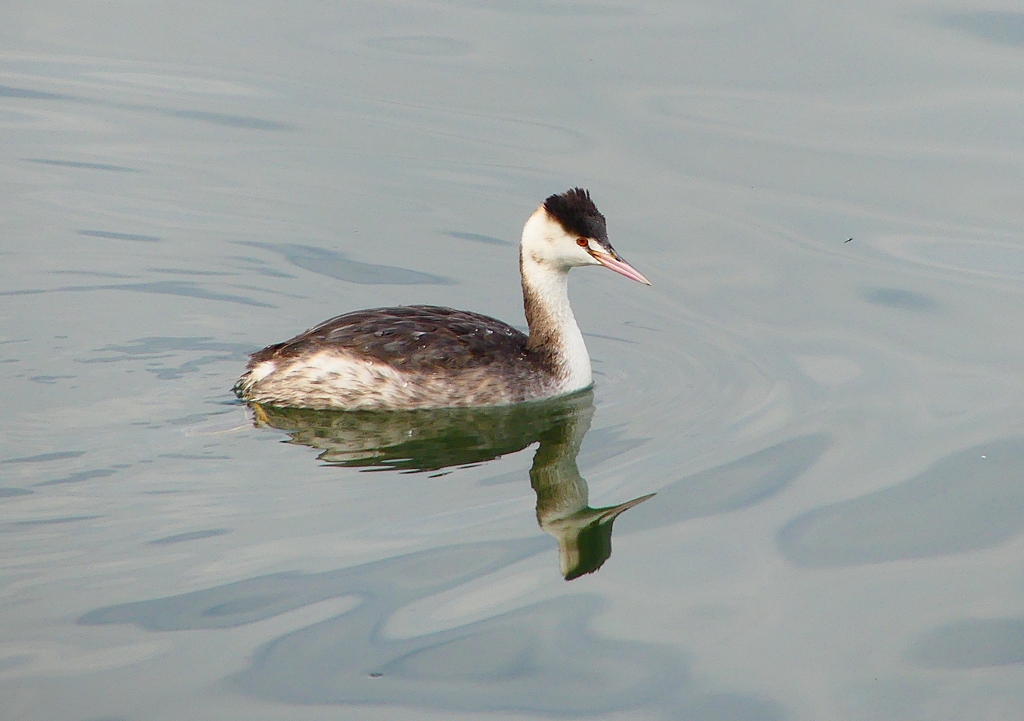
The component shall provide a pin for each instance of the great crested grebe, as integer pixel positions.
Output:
(422, 356)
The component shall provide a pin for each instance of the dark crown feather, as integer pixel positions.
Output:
(576, 212)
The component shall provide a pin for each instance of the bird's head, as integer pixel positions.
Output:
(568, 231)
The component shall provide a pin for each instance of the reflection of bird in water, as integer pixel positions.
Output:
(429, 357)
(432, 440)
(584, 534)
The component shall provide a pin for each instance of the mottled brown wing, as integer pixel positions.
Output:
(413, 338)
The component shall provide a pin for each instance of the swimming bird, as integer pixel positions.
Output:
(422, 356)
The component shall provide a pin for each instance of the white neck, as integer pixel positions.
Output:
(553, 327)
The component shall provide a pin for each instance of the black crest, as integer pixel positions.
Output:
(576, 212)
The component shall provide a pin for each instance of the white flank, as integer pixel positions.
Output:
(261, 371)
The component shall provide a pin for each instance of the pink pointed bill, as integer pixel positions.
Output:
(619, 266)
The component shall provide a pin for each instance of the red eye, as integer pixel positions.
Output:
(582, 242)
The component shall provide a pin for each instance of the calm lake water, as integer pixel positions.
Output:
(824, 387)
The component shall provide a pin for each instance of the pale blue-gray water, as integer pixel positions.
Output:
(824, 386)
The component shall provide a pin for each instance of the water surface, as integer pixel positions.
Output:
(823, 387)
